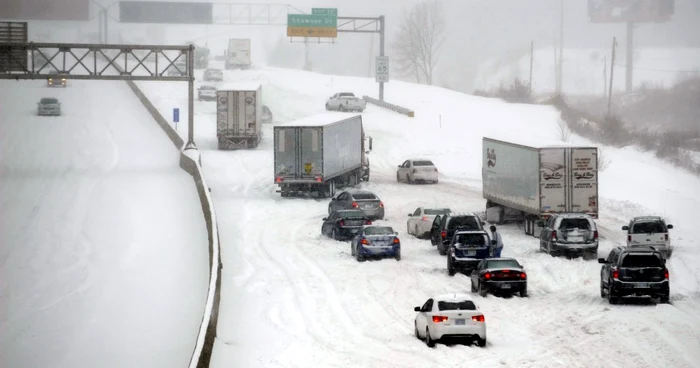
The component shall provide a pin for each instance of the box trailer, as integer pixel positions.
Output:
(238, 54)
(239, 115)
(320, 153)
(530, 182)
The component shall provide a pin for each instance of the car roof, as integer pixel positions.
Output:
(374, 225)
(359, 191)
(453, 297)
(639, 249)
(647, 218)
(458, 214)
(420, 159)
(471, 232)
(502, 259)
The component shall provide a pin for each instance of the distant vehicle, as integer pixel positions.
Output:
(345, 101)
(362, 200)
(206, 93)
(213, 75)
(467, 249)
(320, 153)
(638, 271)
(201, 56)
(499, 275)
(444, 227)
(179, 68)
(238, 116)
(528, 181)
(266, 115)
(56, 79)
(49, 106)
(417, 171)
(571, 234)
(344, 224)
(420, 221)
(450, 317)
(374, 241)
(238, 54)
(649, 230)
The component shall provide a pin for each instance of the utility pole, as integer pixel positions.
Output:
(629, 84)
(381, 53)
(532, 58)
(605, 76)
(612, 72)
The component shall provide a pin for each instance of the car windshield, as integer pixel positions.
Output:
(437, 211)
(346, 95)
(503, 263)
(362, 196)
(379, 230)
(456, 305)
(423, 163)
(464, 223)
(648, 227)
(49, 101)
(471, 239)
(351, 214)
(217, 72)
(641, 260)
(575, 223)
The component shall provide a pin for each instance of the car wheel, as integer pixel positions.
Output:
(441, 248)
(429, 340)
(408, 179)
(416, 233)
(328, 108)
(473, 287)
(450, 269)
(334, 234)
(612, 298)
(415, 331)
(359, 257)
(398, 256)
(664, 299)
(602, 289)
(481, 342)
(352, 249)
(523, 292)
(482, 290)
(398, 178)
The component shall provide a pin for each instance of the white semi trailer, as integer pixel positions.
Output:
(531, 182)
(239, 115)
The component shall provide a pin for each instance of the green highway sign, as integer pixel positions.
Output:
(324, 11)
(312, 21)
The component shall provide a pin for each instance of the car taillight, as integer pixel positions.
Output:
(487, 276)
(616, 274)
(368, 222)
(595, 235)
(319, 179)
(396, 241)
(666, 274)
(438, 319)
(364, 241)
(425, 218)
(354, 205)
(341, 223)
(415, 171)
(381, 204)
(279, 179)
(666, 236)
(629, 238)
(523, 275)
(479, 318)
(443, 234)
(554, 235)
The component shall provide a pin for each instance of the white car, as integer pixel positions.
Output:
(450, 317)
(421, 220)
(417, 170)
(649, 231)
(213, 75)
(206, 93)
(345, 101)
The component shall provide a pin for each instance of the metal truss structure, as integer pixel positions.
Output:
(102, 62)
(252, 14)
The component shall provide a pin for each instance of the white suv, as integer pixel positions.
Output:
(649, 231)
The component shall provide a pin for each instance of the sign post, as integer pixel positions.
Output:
(382, 69)
(321, 23)
(176, 116)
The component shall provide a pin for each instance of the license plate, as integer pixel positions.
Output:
(367, 206)
(459, 321)
(641, 284)
(505, 286)
(471, 253)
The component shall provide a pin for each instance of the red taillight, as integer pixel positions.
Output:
(396, 241)
(666, 236)
(279, 179)
(554, 235)
(629, 238)
(381, 204)
(506, 271)
(595, 235)
(354, 205)
(368, 222)
(341, 223)
(487, 276)
(523, 275)
(666, 274)
(443, 234)
(364, 241)
(319, 179)
(425, 218)
(616, 274)
(438, 319)
(479, 318)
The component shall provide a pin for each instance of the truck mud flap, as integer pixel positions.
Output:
(238, 143)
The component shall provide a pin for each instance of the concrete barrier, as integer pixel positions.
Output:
(389, 106)
(190, 161)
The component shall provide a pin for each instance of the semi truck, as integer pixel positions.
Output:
(238, 54)
(530, 182)
(239, 115)
(319, 153)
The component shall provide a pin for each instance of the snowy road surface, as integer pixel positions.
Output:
(292, 298)
(103, 251)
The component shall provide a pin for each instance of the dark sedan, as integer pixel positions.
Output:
(344, 224)
(499, 276)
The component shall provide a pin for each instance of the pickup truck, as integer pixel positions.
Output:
(345, 101)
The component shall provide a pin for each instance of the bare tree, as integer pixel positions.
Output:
(417, 46)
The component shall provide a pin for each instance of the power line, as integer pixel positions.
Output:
(660, 70)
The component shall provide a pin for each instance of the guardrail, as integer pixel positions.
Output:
(191, 163)
(389, 106)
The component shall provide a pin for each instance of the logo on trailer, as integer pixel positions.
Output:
(491, 157)
(552, 176)
(223, 100)
(586, 175)
(249, 100)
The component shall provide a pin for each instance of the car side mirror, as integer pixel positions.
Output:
(333, 198)
(325, 218)
(625, 228)
(483, 223)
(602, 261)
(416, 309)
(399, 166)
(410, 215)
(669, 226)
(494, 242)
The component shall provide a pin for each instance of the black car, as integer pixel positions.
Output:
(499, 276)
(636, 271)
(444, 227)
(344, 224)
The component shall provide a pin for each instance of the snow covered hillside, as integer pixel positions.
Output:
(103, 247)
(587, 71)
(292, 298)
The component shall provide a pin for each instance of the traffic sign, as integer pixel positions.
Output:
(176, 115)
(382, 69)
(324, 11)
(312, 32)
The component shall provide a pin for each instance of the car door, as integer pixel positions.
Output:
(435, 229)
(342, 201)
(610, 262)
(402, 171)
(476, 272)
(335, 202)
(545, 235)
(413, 220)
(423, 315)
(326, 228)
(334, 103)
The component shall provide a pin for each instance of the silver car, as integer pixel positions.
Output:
(49, 106)
(363, 200)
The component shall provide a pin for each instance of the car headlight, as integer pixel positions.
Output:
(64, 79)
